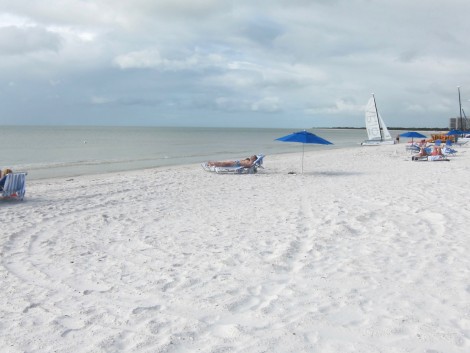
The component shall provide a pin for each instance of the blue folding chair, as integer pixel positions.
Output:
(15, 186)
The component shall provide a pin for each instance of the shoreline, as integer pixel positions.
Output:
(364, 250)
(76, 151)
(279, 155)
(83, 173)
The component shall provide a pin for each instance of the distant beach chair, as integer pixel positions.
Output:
(412, 147)
(447, 151)
(438, 158)
(258, 163)
(15, 186)
(430, 158)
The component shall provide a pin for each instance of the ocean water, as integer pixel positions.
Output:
(46, 152)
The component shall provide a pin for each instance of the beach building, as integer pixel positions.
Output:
(458, 124)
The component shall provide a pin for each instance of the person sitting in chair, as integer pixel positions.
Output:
(4, 177)
(437, 155)
(437, 151)
(247, 163)
(422, 153)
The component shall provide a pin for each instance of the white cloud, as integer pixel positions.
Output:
(101, 100)
(16, 40)
(143, 59)
(267, 104)
(320, 58)
(152, 59)
(338, 107)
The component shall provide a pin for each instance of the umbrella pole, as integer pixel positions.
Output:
(303, 147)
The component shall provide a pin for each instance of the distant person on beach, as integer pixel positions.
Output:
(437, 151)
(3, 176)
(437, 155)
(422, 152)
(398, 138)
(247, 162)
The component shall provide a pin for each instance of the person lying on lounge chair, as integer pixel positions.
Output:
(438, 157)
(247, 162)
(437, 151)
(422, 153)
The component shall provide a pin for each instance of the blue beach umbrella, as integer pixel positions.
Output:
(304, 137)
(412, 134)
(455, 132)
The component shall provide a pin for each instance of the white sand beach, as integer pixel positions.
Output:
(366, 251)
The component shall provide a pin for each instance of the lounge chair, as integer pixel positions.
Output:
(419, 158)
(258, 163)
(412, 148)
(438, 158)
(15, 186)
(430, 158)
(447, 150)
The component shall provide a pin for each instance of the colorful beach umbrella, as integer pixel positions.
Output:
(304, 137)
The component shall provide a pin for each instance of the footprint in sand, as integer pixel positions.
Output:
(141, 309)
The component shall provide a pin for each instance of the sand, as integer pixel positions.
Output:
(366, 251)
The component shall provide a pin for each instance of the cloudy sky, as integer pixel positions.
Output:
(263, 63)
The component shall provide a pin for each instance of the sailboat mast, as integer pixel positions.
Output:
(465, 119)
(460, 105)
(378, 120)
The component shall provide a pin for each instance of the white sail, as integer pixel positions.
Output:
(377, 131)
(372, 122)
(385, 133)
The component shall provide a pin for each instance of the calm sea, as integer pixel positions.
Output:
(46, 152)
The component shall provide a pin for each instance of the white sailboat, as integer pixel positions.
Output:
(377, 131)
